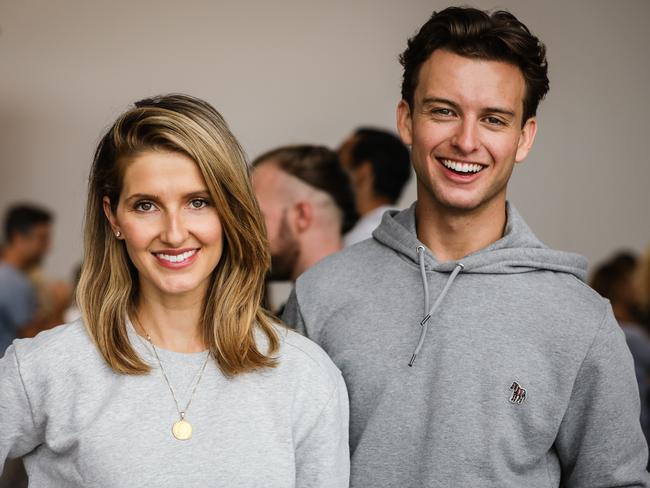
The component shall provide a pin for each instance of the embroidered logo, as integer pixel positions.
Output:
(518, 394)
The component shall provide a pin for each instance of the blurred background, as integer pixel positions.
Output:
(297, 71)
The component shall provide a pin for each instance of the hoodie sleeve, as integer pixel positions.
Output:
(18, 434)
(292, 315)
(600, 443)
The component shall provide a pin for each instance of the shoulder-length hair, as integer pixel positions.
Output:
(108, 286)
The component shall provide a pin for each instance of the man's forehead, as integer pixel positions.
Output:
(471, 81)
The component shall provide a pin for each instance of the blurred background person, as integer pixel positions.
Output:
(379, 166)
(614, 279)
(27, 234)
(642, 280)
(307, 204)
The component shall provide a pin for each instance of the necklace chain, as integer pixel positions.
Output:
(196, 381)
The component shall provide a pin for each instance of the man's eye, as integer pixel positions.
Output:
(494, 121)
(144, 206)
(442, 111)
(198, 203)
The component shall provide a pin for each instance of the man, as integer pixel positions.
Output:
(473, 354)
(379, 167)
(307, 204)
(27, 240)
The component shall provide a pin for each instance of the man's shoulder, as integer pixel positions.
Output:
(12, 279)
(351, 261)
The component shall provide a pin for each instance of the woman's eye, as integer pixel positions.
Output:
(198, 203)
(144, 206)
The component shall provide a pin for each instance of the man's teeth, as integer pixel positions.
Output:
(178, 258)
(462, 167)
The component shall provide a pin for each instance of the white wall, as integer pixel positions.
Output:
(298, 71)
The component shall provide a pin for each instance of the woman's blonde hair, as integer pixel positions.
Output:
(108, 286)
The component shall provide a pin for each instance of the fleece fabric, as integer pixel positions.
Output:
(522, 377)
(79, 424)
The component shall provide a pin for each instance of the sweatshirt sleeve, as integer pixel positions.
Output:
(600, 443)
(322, 454)
(18, 432)
(292, 315)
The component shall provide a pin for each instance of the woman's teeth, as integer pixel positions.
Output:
(177, 258)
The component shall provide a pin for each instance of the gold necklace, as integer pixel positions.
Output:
(181, 429)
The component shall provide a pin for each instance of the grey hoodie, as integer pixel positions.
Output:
(521, 379)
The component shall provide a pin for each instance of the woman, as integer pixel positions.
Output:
(176, 376)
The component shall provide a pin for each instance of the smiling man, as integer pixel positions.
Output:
(474, 355)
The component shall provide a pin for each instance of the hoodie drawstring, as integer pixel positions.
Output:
(429, 311)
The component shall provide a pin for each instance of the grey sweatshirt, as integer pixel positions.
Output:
(79, 424)
(519, 377)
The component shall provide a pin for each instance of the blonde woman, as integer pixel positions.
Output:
(175, 376)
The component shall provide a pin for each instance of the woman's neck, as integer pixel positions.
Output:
(172, 323)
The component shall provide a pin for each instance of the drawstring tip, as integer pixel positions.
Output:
(412, 360)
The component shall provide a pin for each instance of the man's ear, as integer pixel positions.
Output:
(303, 215)
(405, 122)
(526, 139)
(108, 212)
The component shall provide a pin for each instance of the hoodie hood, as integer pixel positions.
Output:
(518, 251)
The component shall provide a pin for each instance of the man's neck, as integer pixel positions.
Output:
(13, 257)
(452, 234)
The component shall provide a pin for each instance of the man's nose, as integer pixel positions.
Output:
(466, 137)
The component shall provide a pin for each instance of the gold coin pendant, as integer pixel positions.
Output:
(182, 430)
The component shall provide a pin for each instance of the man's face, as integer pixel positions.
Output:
(270, 189)
(35, 244)
(465, 130)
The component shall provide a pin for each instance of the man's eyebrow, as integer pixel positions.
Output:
(428, 101)
(499, 110)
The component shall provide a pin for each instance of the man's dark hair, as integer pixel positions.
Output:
(388, 156)
(473, 33)
(318, 167)
(21, 219)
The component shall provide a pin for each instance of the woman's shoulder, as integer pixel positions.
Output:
(67, 343)
(301, 356)
(304, 358)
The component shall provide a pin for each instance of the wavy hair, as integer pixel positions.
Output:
(474, 33)
(108, 286)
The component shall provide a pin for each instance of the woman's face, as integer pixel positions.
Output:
(169, 224)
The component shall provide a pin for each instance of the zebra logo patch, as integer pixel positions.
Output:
(518, 393)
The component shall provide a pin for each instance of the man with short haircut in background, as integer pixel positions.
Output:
(307, 204)
(379, 168)
(474, 355)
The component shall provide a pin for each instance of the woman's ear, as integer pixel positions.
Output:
(108, 212)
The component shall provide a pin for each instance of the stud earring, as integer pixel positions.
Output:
(118, 234)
